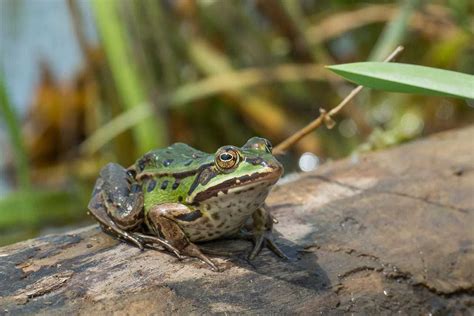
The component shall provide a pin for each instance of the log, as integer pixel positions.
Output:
(381, 233)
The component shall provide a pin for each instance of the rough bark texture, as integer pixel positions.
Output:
(388, 232)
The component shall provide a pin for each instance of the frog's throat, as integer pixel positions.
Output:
(243, 182)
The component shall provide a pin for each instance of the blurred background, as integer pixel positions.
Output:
(86, 82)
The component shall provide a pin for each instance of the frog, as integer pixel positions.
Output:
(177, 197)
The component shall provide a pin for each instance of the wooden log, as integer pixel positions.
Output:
(386, 232)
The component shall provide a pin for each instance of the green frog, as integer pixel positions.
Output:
(175, 197)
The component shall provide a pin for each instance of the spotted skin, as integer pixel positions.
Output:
(224, 215)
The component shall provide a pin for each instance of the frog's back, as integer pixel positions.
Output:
(176, 158)
(167, 174)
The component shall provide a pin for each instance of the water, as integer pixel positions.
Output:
(30, 32)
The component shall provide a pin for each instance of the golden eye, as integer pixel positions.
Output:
(227, 159)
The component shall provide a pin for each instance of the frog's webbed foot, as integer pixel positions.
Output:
(262, 234)
(162, 217)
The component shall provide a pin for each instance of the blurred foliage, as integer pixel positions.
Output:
(210, 73)
(14, 131)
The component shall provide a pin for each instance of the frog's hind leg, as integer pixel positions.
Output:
(117, 204)
(122, 195)
(163, 218)
(262, 233)
(97, 208)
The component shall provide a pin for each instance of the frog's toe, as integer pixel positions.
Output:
(274, 247)
(152, 241)
(192, 250)
(123, 235)
(133, 240)
(257, 247)
(265, 239)
(274, 219)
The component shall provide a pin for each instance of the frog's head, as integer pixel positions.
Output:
(238, 170)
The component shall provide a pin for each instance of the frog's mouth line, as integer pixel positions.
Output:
(244, 181)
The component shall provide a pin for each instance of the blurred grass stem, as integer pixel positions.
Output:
(212, 85)
(150, 133)
(395, 31)
(20, 158)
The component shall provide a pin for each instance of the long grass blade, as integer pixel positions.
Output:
(405, 78)
(395, 31)
(150, 133)
(14, 131)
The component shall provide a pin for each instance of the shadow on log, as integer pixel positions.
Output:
(388, 232)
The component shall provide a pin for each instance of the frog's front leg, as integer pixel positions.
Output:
(262, 233)
(163, 219)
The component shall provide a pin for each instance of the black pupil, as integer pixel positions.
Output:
(226, 157)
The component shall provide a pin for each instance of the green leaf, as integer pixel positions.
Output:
(405, 78)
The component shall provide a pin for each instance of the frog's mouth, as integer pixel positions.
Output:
(240, 184)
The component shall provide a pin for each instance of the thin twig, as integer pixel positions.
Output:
(325, 117)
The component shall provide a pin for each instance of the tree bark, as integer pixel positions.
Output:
(386, 232)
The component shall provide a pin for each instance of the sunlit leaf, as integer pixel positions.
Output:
(395, 77)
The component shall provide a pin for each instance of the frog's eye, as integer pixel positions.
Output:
(227, 159)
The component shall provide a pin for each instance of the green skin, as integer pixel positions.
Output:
(178, 195)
